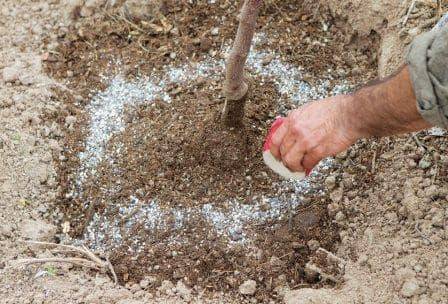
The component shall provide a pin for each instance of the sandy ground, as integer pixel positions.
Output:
(393, 227)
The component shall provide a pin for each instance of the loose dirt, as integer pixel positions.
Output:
(170, 192)
(135, 106)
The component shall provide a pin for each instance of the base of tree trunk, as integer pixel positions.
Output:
(233, 114)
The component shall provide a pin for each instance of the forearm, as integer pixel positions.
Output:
(386, 108)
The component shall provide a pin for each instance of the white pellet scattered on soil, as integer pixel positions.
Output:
(106, 110)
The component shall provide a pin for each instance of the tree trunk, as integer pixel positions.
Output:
(236, 87)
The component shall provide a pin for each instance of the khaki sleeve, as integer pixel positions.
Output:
(428, 64)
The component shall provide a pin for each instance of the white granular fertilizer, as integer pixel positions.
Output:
(106, 111)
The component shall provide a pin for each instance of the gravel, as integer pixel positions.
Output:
(410, 288)
(248, 288)
(10, 74)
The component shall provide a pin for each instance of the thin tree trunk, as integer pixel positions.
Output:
(236, 87)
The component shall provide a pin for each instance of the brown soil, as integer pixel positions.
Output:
(181, 155)
(187, 156)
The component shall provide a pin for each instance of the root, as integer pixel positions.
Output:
(90, 260)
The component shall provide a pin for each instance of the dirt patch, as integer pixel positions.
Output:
(151, 176)
(181, 154)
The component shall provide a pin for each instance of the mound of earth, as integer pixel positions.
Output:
(182, 154)
(176, 195)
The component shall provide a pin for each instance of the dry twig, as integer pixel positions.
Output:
(90, 260)
(411, 8)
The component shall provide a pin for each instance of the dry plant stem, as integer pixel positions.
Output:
(235, 86)
(75, 261)
(93, 261)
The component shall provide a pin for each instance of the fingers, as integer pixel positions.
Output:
(277, 139)
(294, 157)
(288, 142)
(310, 160)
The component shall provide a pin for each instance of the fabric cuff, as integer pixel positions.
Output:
(428, 64)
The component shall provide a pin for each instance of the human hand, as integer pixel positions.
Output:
(313, 132)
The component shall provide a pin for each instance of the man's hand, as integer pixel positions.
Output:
(325, 128)
(313, 132)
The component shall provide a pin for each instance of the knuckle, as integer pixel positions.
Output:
(305, 143)
(296, 129)
(291, 163)
(319, 152)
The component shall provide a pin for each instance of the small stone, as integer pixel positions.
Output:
(342, 155)
(37, 230)
(134, 288)
(418, 268)
(5, 231)
(363, 259)
(248, 288)
(311, 273)
(27, 79)
(183, 290)
(236, 234)
(424, 163)
(410, 288)
(41, 173)
(391, 217)
(10, 74)
(215, 31)
(166, 286)
(144, 283)
(340, 216)
(70, 121)
(313, 245)
(414, 31)
(438, 220)
(336, 195)
(333, 208)
(330, 182)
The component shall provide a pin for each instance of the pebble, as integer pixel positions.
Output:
(438, 220)
(313, 245)
(183, 290)
(248, 288)
(410, 288)
(311, 273)
(5, 231)
(134, 288)
(166, 286)
(37, 230)
(144, 283)
(336, 195)
(27, 79)
(70, 121)
(424, 164)
(10, 74)
(42, 173)
(332, 209)
(330, 182)
(363, 259)
(340, 216)
(215, 31)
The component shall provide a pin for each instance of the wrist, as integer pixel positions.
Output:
(351, 120)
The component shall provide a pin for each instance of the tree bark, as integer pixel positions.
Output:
(235, 86)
